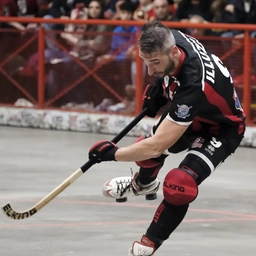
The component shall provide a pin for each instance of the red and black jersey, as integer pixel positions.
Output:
(202, 91)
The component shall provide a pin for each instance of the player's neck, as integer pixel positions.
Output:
(177, 59)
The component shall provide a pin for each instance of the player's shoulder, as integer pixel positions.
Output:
(183, 42)
(191, 68)
(179, 36)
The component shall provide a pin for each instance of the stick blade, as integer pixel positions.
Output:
(9, 212)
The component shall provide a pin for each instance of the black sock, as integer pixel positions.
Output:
(147, 175)
(166, 219)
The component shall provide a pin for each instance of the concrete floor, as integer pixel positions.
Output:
(81, 222)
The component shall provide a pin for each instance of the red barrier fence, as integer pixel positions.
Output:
(30, 70)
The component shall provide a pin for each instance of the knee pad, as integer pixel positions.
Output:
(179, 187)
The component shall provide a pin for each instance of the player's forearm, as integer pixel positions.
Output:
(166, 135)
(140, 151)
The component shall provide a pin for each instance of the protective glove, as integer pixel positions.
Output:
(103, 151)
(153, 99)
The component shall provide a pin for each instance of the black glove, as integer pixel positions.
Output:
(103, 151)
(153, 99)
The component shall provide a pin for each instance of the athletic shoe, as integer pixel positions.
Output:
(122, 187)
(145, 247)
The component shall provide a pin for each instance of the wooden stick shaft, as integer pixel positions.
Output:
(59, 189)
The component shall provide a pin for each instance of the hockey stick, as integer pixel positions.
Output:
(9, 212)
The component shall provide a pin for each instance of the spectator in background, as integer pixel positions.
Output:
(174, 5)
(202, 34)
(127, 106)
(198, 32)
(11, 42)
(144, 11)
(28, 8)
(116, 15)
(73, 32)
(162, 10)
(99, 43)
(221, 11)
(90, 41)
(52, 53)
(59, 9)
(187, 8)
(109, 8)
(9, 8)
(122, 51)
(122, 40)
(242, 12)
(13, 8)
(44, 6)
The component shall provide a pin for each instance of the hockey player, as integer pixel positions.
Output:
(205, 117)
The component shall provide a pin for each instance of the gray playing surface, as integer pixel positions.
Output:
(81, 222)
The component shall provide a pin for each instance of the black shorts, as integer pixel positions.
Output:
(204, 151)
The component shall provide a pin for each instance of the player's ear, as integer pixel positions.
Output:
(174, 50)
(171, 53)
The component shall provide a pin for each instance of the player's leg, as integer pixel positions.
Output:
(180, 189)
(144, 181)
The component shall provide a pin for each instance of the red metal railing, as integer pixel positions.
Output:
(40, 34)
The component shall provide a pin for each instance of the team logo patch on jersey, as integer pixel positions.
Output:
(183, 111)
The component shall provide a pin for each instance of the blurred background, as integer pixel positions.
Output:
(81, 55)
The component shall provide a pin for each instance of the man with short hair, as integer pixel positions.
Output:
(122, 45)
(144, 11)
(162, 10)
(205, 118)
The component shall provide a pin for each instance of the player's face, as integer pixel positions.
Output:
(159, 64)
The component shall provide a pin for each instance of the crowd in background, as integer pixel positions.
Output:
(221, 11)
(92, 45)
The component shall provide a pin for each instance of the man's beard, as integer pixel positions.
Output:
(170, 69)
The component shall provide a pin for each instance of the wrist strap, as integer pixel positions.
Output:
(110, 155)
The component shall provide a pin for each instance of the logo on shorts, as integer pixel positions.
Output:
(210, 149)
(198, 143)
(214, 144)
(183, 111)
